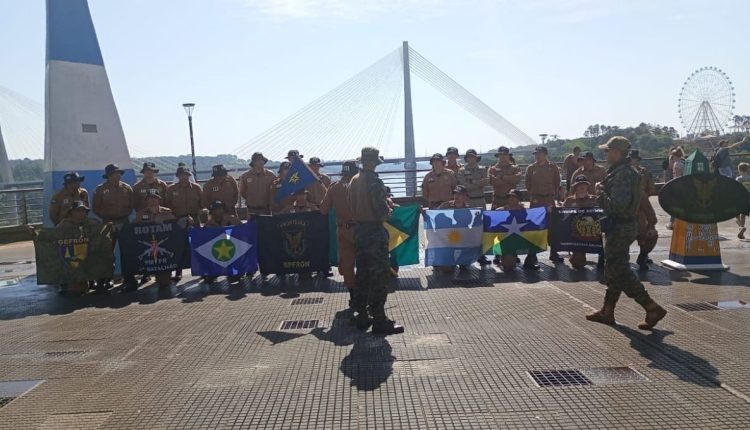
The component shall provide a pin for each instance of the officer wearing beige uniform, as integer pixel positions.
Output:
(184, 197)
(149, 182)
(335, 199)
(593, 172)
(63, 200)
(452, 163)
(543, 185)
(276, 185)
(317, 190)
(255, 186)
(503, 176)
(222, 187)
(438, 184)
(473, 178)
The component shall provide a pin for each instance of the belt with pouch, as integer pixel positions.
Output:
(347, 225)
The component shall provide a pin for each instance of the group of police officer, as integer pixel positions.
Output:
(362, 202)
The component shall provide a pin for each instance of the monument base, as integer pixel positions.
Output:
(693, 267)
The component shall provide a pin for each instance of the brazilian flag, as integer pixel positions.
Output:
(403, 236)
(515, 232)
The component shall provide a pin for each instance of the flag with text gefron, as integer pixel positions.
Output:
(75, 254)
(515, 232)
(224, 251)
(577, 229)
(454, 236)
(149, 248)
(293, 243)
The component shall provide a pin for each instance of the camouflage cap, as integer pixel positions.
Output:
(216, 204)
(619, 143)
(315, 161)
(460, 189)
(218, 170)
(437, 157)
(72, 177)
(371, 155)
(258, 156)
(349, 168)
(472, 153)
(451, 150)
(502, 150)
(149, 166)
(293, 153)
(513, 193)
(580, 179)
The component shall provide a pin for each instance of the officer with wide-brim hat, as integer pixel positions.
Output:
(149, 182)
(63, 198)
(111, 169)
(223, 187)
(255, 186)
(503, 176)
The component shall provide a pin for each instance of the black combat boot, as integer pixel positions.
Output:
(531, 263)
(386, 327)
(130, 284)
(642, 262)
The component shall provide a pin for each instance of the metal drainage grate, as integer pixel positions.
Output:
(5, 400)
(299, 324)
(559, 378)
(694, 307)
(308, 301)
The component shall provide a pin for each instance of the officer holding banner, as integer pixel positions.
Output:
(438, 183)
(255, 186)
(63, 199)
(222, 187)
(317, 190)
(619, 197)
(184, 197)
(503, 176)
(473, 178)
(543, 185)
(149, 182)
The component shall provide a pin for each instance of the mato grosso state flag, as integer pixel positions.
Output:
(150, 248)
(403, 236)
(76, 254)
(577, 229)
(293, 243)
(515, 232)
(454, 236)
(224, 251)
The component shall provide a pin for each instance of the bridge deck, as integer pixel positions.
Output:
(195, 356)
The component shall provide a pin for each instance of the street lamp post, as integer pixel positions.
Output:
(189, 110)
(544, 137)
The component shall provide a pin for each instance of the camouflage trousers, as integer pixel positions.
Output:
(373, 269)
(619, 276)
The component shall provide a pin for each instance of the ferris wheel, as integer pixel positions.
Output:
(706, 102)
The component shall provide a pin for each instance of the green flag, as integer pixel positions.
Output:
(403, 236)
(74, 254)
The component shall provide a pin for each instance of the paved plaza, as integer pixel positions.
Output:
(215, 357)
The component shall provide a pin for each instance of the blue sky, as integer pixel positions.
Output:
(548, 66)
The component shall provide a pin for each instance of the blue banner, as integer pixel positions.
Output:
(298, 178)
(224, 251)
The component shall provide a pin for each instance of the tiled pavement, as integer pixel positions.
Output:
(195, 356)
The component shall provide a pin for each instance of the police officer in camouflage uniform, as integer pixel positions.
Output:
(620, 196)
(473, 178)
(367, 200)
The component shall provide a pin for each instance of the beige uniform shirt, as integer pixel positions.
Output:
(61, 202)
(593, 175)
(113, 203)
(317, 190)
(438, 187)
(255, 188)
(225, 190)
(504, 178)
(454, 167)
(474, 179)
(336, 198)
(543, 183)
(183, 200)
(140, 190)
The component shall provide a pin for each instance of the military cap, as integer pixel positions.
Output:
(513, 193)
(153, 192)
(460, 189)
(218, 170)
(473, 153)
(149, 166)
(78, 204)
(437, 157)
(284, 165)
(619, 143)
(293, 153)
(183, 169)
(539, 149)
(216, 204)
(451, 150)
(72, 177)
(585, 155)
(502, 150)
(371, 155)
(580, 179)
(110, 169)
(315, 161)
(635, 154)
(349, 168)
(258, 156)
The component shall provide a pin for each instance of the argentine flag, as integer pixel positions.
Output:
(454, 236)
(224, 251)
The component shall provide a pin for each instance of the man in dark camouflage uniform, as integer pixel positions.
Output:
(620, 196)
(367, 199)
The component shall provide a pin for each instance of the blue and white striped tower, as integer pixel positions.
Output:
(82, 127)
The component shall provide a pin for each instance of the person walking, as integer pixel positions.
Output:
(438, 184)
(543, 185)
(743, 179)
(473, 178)
(647, 235)
(503, 176)
(255, 186)
(619, 197)
(336, 200)
(722, 160)
(367, 200)
(63, 199)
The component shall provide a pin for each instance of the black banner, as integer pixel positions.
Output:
(704, 198)
(577, 229)
(150, 248)
(74, 254)
(293, 243)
